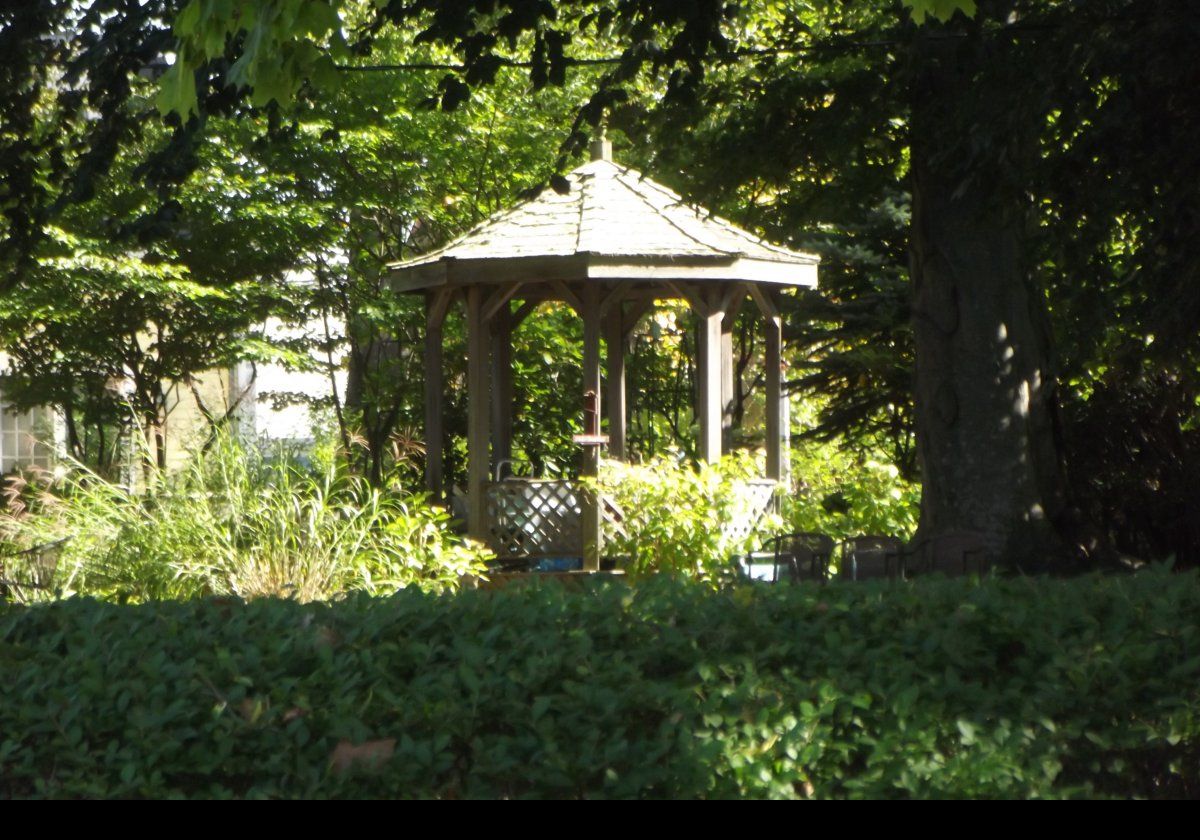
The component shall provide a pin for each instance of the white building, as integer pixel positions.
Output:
(267, 403)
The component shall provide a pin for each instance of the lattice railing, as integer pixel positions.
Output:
(535, 518)
(544, 518)
(758, 497)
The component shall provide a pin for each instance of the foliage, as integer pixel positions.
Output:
(114, 340)
(943, 10)
(147, 287)
(810, 149)
(547, 364)
(67, 71)
(1087, 87)
(695, 521)
(281, 43)
(391, 180)
(125, 302)
(1123, 273)
(1136, 444)
(941, 688)
(241, 522)
(847, 494)
(272, 60)
(793, 119)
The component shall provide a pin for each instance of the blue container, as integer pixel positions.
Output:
(559, 564)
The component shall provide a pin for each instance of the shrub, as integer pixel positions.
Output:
(695, 521)
(238, 522)
(845, 494)
(1000, 688)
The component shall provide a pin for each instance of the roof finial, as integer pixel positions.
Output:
(601, 145)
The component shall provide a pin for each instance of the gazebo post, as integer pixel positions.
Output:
(614, 340)
(502, 381)
(590, 310)
(709, 313)
(436, 303)
(733, 298)
(773, 364)
(478, 409)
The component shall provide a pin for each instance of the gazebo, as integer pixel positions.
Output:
(609, 247)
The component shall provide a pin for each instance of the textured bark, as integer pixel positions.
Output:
(985, 399)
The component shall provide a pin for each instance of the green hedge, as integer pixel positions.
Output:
(941, 688)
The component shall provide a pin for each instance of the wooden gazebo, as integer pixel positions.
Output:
(610, 247)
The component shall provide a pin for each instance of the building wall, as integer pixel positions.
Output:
(282, 406)
(186, 426)
(269, 403)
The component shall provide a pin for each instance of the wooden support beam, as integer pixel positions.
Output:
(785, 427)
(523, 311)
(732, 299)
(590, 312)
(775, 416)
(500, 330)
(569, 297)
(699, 302)
(500, 298)
(708, 372)
(534, 294)
(614, 340)
(614, 297)
(765, 299)
(436, 303)
(728, 375)
(478, 393)
(633, 316)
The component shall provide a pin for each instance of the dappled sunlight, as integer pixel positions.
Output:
(242, 522)
(614, 398)
(997, 688)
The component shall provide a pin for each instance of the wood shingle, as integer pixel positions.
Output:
(613, 223)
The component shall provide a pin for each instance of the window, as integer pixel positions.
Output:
(24, 438)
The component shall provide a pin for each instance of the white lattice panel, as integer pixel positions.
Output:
(532, 518)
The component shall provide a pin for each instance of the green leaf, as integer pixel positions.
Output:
(324, 74)
(941, 10)
(177, 90)
(185, 23)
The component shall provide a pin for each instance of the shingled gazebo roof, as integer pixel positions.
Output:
(612, 224)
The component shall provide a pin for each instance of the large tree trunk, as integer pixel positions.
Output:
(985, 388)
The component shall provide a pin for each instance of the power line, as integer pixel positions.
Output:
(846, 45)
(733, 55)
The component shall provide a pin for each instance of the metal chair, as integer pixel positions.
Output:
(802, 556)
(953, 554)
(871, 557)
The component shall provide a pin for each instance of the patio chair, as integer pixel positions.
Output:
(870, 557)
(800, 556)
(953, 554)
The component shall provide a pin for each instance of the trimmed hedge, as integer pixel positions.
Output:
(1005, 688)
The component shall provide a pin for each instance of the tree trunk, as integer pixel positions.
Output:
(985, 387)
(371, 359)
